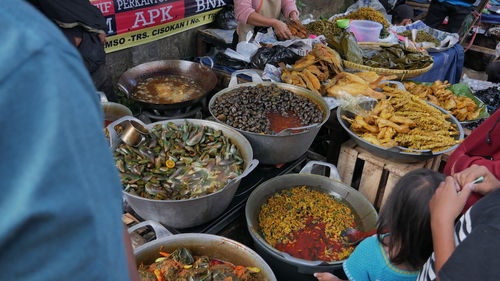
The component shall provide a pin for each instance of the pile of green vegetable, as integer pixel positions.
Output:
(422, 36)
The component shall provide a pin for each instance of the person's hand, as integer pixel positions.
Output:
(281, 30)
(102, 37)
(468, 175)
(77, 41)
(405, 22)
(325, 276)
(294, 15)
(448, 201)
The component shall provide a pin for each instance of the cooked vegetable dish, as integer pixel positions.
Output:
(178, 162)
(182, 265)
(307, 224)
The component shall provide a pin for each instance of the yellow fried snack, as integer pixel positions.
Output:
(405, 120)
(313, 69)
(463, 108)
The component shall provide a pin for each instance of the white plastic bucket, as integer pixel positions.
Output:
(365, 30)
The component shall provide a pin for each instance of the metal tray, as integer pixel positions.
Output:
(396, 154)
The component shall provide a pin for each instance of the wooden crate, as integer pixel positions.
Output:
(374, 176)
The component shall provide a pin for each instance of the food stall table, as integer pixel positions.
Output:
(448, 66)
(377, 176)
(218, 38)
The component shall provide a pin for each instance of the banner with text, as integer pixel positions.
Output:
(135, 22)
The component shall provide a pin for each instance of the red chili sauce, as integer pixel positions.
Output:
(311, 243)
(280, 122)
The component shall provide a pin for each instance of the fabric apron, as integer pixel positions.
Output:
(267, 8)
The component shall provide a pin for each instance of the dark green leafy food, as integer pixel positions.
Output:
(422, 36)
(342, 41)
(324, 27)
(169, 267)
(178, 162)
(396, 57)
(345, 43)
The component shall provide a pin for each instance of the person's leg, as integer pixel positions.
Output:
(456, 17)
(436, 14)
(493, 71)
(102, 82)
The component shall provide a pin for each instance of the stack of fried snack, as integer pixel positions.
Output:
(407, 121)
(297, 29)
(463, 108)
(367, 13)
(361, 83)
(316, 67)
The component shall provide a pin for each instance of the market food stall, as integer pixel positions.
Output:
(205, 156)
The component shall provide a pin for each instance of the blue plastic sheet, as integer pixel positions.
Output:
(448, 65)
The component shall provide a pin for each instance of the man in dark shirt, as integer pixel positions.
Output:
(455, 10)
(84, 25)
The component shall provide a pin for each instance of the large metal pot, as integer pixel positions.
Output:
(396, 154)
(209, 245)
(190, 212)
(284, 147)
(202, 75)
(284, 265)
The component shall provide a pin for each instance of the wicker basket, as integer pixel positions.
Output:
(400, 73)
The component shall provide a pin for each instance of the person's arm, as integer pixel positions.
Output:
(246, 14)
(132, 267)
(280, 28)
(471, 151)
(289, 9)
(445, 206)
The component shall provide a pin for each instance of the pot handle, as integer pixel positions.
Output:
(102, 97)
(209, 59)
(234, 76)
(111, 127)
(123, 89)
(334, 173)
(159, 230)
(253, 164)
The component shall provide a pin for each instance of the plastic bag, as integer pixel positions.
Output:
(225, 18)
(244, 50)
(273, 56)
(225, 60)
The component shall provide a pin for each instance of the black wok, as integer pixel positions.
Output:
(200, 74)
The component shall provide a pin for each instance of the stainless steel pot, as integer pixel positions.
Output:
(209, 245)
(287, 146)
(284, 265)
(200, 74)
(396, 154)
(190, 212)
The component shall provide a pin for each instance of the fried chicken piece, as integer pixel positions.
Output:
(304, 62)
(293, 78)
(328, 55)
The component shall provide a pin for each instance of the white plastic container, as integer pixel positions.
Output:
(365, 30)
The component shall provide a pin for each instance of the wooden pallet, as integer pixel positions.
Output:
(373, 176)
